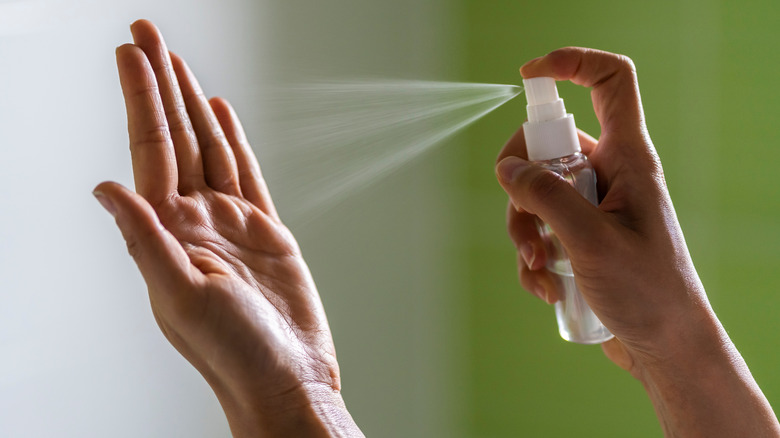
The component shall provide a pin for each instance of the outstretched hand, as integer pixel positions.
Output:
(227, 283)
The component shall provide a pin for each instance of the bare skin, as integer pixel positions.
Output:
(227, 283)
(630, 259)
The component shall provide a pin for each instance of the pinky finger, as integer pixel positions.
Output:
(250, 178)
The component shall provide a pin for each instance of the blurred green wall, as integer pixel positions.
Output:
(707, 76)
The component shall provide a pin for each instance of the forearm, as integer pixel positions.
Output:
(705, 389)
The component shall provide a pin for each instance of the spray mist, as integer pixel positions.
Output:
(552, 142)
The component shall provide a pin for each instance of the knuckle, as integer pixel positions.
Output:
(558, 54)
(216, 140)
(141, 241)
(521, 227)
(179, 122)
(566, 60)
(543, 184)
(626, 64)
(145, 93)
(156, 134)
(195, 97)
(133, 248)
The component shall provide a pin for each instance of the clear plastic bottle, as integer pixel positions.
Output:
(552, 142)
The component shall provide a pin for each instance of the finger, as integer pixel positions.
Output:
(524, 233)
(541, 283)
(159, 256)
(251, 180)
(151, 147)
(612, 77)
(546, 194)
(219, 164)
(188, 160)
(588, 144)
(515, 146)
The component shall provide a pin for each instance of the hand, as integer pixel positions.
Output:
(227, 283)
(630, 259)
(629, 255)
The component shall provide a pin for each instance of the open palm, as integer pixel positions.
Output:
(227, 283)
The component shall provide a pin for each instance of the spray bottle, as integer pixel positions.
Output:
(552, 142)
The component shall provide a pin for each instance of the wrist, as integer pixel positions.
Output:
(690, 349)
(700, 385)
(316, 410)
(689, 341)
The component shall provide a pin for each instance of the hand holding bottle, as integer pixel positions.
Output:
(630, 259)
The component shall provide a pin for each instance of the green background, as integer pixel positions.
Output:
(435, 337)
(707, 76)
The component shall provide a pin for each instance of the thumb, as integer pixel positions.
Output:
(546, 194)
(159, 256)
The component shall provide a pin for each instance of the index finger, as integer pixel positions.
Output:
(612, 77)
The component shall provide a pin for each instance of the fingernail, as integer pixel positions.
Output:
(527, 252)
(541, 293)
(509, 168)
(528, 64)
(105, 202)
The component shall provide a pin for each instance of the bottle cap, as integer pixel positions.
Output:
(549, 132)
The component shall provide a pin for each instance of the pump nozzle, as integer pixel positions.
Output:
(549, 132)
(543, 101)
(540, 90)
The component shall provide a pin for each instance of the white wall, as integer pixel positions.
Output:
(81, 353)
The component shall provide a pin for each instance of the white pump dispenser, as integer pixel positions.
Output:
(552, 142)
(549, 132)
